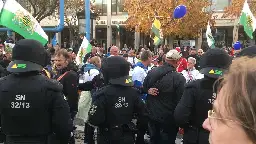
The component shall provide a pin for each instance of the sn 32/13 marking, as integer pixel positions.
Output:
(20, 102)
(20, 105)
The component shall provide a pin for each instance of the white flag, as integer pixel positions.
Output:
(210, 39)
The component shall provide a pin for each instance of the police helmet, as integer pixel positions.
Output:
(27, 55)
(115, 70)
(215, 62)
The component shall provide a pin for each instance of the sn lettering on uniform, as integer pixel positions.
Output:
(121, 103)
(211, 101)
(20, 102)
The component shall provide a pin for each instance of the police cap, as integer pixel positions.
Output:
(215, 62)
(27, 55)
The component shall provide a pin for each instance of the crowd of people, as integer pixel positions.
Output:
(123, 95)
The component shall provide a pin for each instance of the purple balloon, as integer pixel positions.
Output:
(180, 11)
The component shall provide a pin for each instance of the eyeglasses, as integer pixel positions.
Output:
(213, 120)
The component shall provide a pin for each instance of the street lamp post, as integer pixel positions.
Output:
(87, 20)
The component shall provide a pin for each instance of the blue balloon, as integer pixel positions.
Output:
(237, 46)
(180, 11)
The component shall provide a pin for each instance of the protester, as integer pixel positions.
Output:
(164, 87)
(90, 54)
(132, 57)
(138, 75)
(68, 78)
(193, 53)
(182, 64)
(114, 51)
(90, 71)
(191, 73)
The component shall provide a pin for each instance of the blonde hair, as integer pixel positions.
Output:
(95, 61)
(239, 94)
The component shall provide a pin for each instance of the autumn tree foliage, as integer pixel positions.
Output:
(42, 8)
(142, 13)
(236, 6)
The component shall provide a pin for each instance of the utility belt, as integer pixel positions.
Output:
(117, 131)
(26, 139)
(191, 133)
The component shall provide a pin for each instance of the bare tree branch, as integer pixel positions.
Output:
(43, 8)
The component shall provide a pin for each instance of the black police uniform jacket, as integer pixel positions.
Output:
(32, 107)
(70, 90)
(170, 85)
(112, 111)
(193, 108)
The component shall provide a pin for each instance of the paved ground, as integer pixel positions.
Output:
(80, 130)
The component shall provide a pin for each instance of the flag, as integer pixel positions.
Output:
(157, 40)
(85, 48)
(248, 20)
(156, 29)
(15, 17)
(156, 26)
(118, 27)
(54, 40)
(210, 39)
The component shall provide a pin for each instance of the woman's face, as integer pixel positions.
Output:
(225, 129)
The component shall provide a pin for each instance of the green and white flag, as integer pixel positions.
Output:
(248, 20)
(85, 48)
(16, 18)
(210, 39)
(156, 29)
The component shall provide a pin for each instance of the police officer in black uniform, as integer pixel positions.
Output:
(199, 96)
(32, 106)
(115, 104)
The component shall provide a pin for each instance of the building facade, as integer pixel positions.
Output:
(109, 27)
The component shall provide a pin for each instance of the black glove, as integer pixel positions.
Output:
(98, 81)
(87, 86)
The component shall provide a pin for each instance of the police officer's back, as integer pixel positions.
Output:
(114, 105)
(32, 106)
(199, 96)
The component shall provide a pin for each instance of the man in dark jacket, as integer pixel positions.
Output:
(199, 96)
(114, 105)
(69, 79)
(165, 87)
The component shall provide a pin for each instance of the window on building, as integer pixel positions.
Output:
(219, 5)
(101, 7)
(117, 7)
(120, 6)
(104, 7)
(114, 7)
